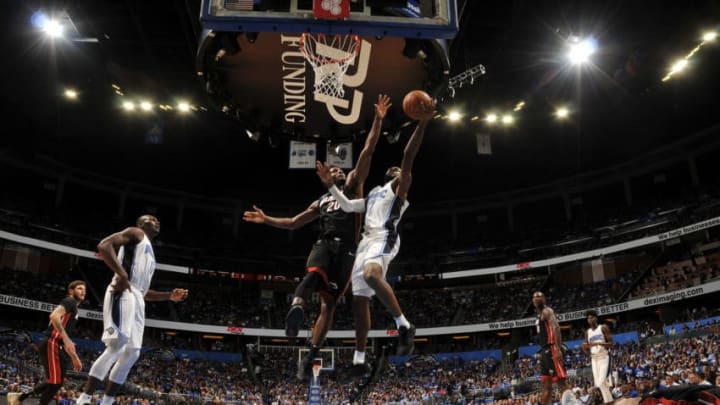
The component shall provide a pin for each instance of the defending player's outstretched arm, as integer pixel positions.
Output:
(356, 178)
(258, 216)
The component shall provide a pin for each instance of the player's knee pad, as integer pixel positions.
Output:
(308, 285)
(127, 359)
(104, 362)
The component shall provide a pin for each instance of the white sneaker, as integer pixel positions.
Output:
(569, 398)
(84, 399)
(13, 398)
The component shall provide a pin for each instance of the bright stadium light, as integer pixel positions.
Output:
(562, 113)
(508, 119)
(454, 116)
(53, 29)
(679, 65)
(183, 106)
(676, 67)
(71, 94)
(128, 106)
(145, 106)
(709, 36)
(491, 118)
(580, 51)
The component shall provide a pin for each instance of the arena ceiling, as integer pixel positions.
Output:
(619, 106)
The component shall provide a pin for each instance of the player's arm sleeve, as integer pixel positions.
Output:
(346, 204)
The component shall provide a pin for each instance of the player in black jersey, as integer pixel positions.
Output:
(552, 368)
(57, 350)
(330, 262)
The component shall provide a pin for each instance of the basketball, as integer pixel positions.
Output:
(413, 105)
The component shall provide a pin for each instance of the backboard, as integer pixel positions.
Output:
(397, 18)
(325, 357)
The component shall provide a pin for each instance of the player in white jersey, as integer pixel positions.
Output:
(124, 305)
(597, 341)
(380, 243)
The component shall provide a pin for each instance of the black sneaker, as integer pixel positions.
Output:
(406, 340)
(369, 378)
(305, 365)
(362, 370)
(294, 320)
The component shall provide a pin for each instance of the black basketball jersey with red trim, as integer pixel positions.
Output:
(334, 222)
(68, 320)
(545, 331)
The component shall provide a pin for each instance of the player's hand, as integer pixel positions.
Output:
(557, 356)
(382, 106)
(178, 294)
(77, 364)
(585, 346)
(257, 216)
(323, 172)
(121, 284)
(428, 109)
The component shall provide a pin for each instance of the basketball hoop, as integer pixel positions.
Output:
(316, 371)
(330, 57)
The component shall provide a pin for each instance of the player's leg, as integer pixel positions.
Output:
(296, 315)
(317, 262)
(546, 374)
(133, 317)
(333, 287)
(361, 304)
(48, 357)
(374, 276)
(55, 382)
(119, 372)
(546, 391)
(324, 320)
(361, 316)
(115, 319)
(98, 371)
(600, 368)
(320, 330)
(559, 373)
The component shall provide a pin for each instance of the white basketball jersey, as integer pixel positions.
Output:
(139, 263)
(596, 336)
(383, 213)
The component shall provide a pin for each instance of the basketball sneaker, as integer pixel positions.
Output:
(406, 340)
(305, 364)
(362, 370)
(294, 320)
(569, 398)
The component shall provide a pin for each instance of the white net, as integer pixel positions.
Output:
(330, 57)
(316, 371)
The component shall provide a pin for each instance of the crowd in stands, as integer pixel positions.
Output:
(566, 297)
(638, 368)
(262, 250)
(240, 304)
(677, 275)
